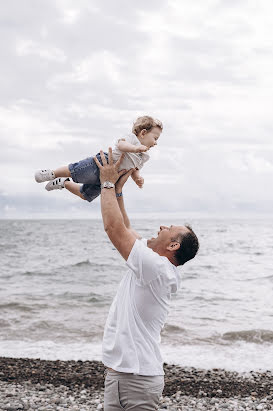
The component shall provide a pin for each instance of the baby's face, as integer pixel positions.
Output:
(150, 138)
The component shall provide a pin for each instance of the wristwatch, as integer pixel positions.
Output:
(107, 184)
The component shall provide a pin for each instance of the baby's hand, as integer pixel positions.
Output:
(139, 181)
(141, 148)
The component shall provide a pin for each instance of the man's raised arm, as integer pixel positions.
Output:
(121, 237)
(119, 186)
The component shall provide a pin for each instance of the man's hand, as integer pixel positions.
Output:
(109, 171)
(141, 148)
(122, 180)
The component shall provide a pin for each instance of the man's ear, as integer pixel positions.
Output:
(173, 246)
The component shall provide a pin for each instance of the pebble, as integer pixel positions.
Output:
(32, 398)
(35, 385)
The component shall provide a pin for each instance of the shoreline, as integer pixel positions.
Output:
(81, 381)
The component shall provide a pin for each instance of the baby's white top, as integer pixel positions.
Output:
(131, 160)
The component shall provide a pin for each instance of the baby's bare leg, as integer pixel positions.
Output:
(62, 172)
(74, 188)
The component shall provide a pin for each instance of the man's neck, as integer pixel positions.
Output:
(162, 253)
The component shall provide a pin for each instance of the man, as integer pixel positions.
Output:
(131, 353)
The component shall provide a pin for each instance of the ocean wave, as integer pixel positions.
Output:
(5, 246)
(85, 264)
(87, 297)
(190, 276)
(41, 325)
(88, 263)
(208, 267)
(82, 264)
(175, 329)
(255, 336)
(60, 330)
(258, 279)
(4, 323)
(268, 277)
(15, 306)
(213, 299)
(54, 270)
(32, 273)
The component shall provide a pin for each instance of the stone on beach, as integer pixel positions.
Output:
(29, 384)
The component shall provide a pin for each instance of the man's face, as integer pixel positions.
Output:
(166, 235)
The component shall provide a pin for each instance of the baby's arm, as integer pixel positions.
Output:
(137, 178)
(126, 147)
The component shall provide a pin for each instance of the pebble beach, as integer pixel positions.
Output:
(41, 385)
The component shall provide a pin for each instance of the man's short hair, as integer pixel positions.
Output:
(189, 246)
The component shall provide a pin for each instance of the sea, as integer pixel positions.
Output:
(59, 277)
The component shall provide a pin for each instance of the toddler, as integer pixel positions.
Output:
(145, 133)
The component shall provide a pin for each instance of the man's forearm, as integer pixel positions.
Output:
(110, 210)
(125, 216)
(123, 211)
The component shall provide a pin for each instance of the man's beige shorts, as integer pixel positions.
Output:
(124, 391)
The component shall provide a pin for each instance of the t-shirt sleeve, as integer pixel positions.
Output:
(130, 138)
(149, 266)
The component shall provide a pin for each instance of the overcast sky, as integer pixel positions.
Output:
(75, 75)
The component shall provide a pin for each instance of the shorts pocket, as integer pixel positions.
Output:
(122, 391)
(154, 393)
(116, 394)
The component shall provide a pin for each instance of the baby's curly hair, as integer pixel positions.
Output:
(147, 123)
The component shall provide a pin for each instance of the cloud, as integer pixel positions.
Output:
(29, 47)
(102, 67)
(74, 76)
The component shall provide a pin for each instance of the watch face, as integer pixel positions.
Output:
(108, 184)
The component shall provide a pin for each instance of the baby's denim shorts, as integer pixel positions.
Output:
(87, 172)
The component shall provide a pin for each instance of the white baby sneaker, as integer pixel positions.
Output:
(57, 184)
(44, 175)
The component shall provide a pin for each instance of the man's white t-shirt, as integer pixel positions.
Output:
(131, 160)
(138, 313)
